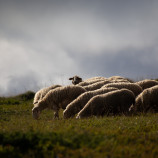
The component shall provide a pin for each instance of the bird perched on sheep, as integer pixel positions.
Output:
(135, 88)
(75, 79)
(115, 102)
(75, 106)
(146, 101)
(97, 85)
(42, 92)
(56, 99)
(147, 83)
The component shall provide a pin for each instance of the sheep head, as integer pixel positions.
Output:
(35, 112)
(75, 79)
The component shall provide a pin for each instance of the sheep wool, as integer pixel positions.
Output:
(57, 98)
(96, 85)
(146, 101)
(75, 106)
(95, 78)
(135, 88)
(119, 79)
(147, 83)
(86, 83)
(115, 102)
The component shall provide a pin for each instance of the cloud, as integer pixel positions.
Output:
(49, 41)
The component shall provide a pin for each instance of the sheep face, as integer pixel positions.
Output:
(35, 113)
(66, 114)
(137, 107)
(75, 79)
(131, 109)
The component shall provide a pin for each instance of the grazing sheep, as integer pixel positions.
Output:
(57, 98)
(135, 88)
(115, 102)
(97, 85)
(146, 101)
(42, 92)
(75, 79)
(147, 83)
(75, 106)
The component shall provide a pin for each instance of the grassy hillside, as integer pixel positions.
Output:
(107, 137)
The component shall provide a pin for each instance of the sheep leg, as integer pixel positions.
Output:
(56, 115)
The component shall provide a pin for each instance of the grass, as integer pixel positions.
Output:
(107, 137)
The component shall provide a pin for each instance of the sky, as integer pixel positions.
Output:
(45, 42)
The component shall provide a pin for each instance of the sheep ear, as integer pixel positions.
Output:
(71, 78)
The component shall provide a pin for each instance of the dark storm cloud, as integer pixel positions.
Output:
(45, 42)
(132, 65)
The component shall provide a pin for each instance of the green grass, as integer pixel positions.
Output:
(107, 137)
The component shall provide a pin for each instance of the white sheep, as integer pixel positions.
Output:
(146, 101)
(135, 88)
(42, 92)
(147, 83)
(75, 106)
(115, 102)
(56, 99)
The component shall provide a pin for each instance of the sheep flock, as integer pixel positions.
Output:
(98, 96)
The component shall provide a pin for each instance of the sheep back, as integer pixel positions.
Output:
(86, 83)
(96, 85)
(147, 83)
(135, 88)
(95, 78)
(119, 78)
(42, 92)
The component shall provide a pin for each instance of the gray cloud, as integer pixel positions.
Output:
(45, 42)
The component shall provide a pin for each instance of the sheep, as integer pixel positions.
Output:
(135, 88)
(56, 99)
(75, 106)
(115, 102)
(146, 101)
(75, 79)
(42, 92)
(147, 83)
(96, 85)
